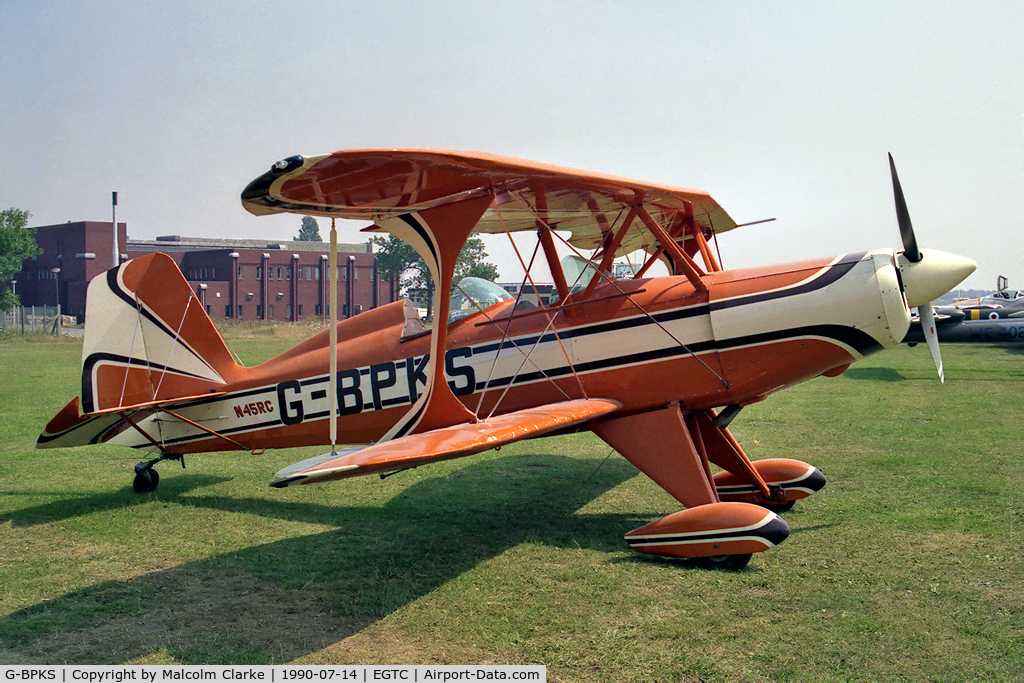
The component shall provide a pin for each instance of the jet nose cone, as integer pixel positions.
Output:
(935, 274)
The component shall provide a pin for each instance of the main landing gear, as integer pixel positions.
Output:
(147, 478)
(729, 516)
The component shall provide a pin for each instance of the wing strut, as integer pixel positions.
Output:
(544, 233)
(505, 329)
(643, 310)
(702, 244)
(549, 312)
(437, 235)
(683, 262)
(609, 253)
(332, 323)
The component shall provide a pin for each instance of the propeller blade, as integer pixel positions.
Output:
(931, 336)
(910, 249)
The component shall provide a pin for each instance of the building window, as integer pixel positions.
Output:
(270, 309)
(239, 272)
(316, 310)
(259, 272)
(259, 311)
(316, 273)
(288, 273)
(300, 310)
(288, 311)
(227, 311)
(239, 311)
(279, 272)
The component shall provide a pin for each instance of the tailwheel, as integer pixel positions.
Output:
(731, 563)
(146, 479)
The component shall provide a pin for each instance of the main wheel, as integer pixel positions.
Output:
(146, 481)
(726, 562)
(779, 507)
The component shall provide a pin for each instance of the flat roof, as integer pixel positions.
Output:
(181, 243)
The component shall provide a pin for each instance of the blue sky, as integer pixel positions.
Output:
(783, 112)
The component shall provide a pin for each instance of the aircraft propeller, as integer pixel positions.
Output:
(926, 273)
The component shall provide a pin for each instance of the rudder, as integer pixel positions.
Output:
(148, 338)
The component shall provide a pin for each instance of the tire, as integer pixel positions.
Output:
(724, 562)
(146, 481)
(779, 508)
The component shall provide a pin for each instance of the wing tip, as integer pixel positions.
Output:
(287, 481)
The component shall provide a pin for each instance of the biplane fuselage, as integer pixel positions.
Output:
(645, 363)
(644, 343)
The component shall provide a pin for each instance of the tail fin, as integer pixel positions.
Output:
(148, 339)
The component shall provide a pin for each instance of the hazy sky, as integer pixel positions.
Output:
(783, 112)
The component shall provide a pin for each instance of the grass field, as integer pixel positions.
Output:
(908, 565)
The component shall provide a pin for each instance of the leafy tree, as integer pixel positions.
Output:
(309, 231)
(471, 262)
(397, 259)
(17, 243)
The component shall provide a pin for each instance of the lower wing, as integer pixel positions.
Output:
(446, 443)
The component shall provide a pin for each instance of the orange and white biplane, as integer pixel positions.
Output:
(655, 366)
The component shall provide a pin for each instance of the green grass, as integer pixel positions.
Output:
(907, 565)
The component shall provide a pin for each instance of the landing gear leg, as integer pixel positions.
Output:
(147, 478)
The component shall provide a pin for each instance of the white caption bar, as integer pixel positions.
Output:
(268, 674)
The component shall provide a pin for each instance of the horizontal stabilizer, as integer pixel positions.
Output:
(446, 443)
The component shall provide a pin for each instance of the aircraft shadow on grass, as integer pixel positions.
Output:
(67, 508)
(876, 374)
(277, 601)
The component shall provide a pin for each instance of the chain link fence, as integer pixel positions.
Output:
(35, 320)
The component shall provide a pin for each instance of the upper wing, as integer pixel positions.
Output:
(376, 184)
(446, 443)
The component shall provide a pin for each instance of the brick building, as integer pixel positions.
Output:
(233, 278)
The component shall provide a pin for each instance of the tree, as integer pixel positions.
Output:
(17, 243)
(397, 259)
(471, 262)
(309, 231)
